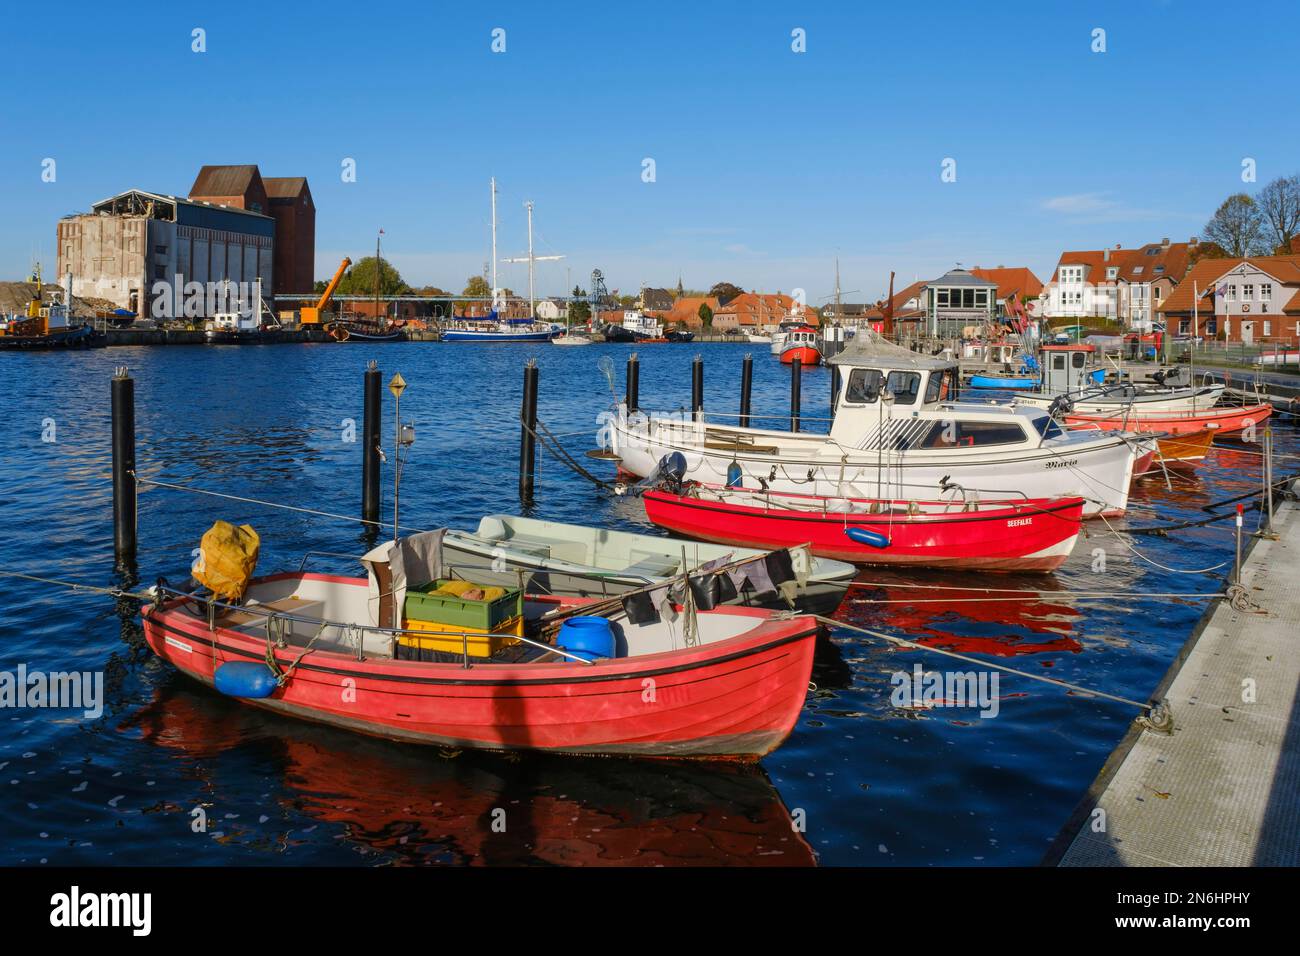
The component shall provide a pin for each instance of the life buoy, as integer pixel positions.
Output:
(1245, 307)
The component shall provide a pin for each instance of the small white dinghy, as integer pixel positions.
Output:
(569, 560)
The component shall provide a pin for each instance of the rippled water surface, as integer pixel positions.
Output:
(871, 784)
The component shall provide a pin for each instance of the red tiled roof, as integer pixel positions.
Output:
(1019, 281)
(1205, 275)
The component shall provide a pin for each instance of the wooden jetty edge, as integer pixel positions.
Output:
(1224, 788)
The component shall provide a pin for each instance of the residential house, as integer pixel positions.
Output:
(753, 311)
(959, 299)
(907, 306)
(1254, 300)
(655, 300)
(686, 311)
(1122, 285)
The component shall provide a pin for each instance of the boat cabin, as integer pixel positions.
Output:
(641, 324)
(909, 400)
(1066, 368)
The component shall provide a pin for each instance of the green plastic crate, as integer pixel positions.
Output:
(421, 605)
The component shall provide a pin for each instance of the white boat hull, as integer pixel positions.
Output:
(1184, 400)
(1095, 467)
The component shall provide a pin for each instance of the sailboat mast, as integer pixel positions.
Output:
(532, 312)
(379, 320)
(494, 242)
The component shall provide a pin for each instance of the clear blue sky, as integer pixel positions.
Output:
(768, 163)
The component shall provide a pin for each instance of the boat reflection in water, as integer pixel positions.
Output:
(1003, 623)
(407, 805)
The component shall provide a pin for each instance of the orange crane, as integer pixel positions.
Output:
(310, 315)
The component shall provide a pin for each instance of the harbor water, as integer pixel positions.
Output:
(171, 773)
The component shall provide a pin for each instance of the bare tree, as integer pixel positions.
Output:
(1279, 204)
(1237, 227)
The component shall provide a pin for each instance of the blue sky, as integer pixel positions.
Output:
(768, 163)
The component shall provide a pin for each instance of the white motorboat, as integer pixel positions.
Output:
(897, 433)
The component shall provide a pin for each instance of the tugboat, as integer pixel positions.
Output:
(49, 327)
(637, 327)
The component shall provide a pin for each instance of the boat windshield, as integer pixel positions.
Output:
(1047, 427)
(864, 386)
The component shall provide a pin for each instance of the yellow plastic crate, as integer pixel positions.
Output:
(434, 636)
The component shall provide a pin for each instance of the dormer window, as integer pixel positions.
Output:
(1112, 272)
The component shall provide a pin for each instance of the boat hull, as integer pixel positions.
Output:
(997, 381)
(806, 354)
(1098, 471)
(1223, 421)
(80, 337)
(1181, 400)
(460, 335)
(1034, 536)
(823, 594)
(738, 698)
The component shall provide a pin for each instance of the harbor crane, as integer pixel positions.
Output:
(311, 315)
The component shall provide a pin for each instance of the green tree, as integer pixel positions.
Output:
(477, 286)
(579, 308)
(706, 315)
(1237, 227)
(360, 279)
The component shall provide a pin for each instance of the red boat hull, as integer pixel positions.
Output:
(807, 355)
(1224, 421)
(737, 698)
(1036, 535)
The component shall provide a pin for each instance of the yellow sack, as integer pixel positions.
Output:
(227, 557)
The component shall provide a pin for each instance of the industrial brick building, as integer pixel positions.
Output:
(129, 242)
(233, 226)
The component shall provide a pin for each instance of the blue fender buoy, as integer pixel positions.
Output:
(245, 679)
(872, 539)
(735, 475)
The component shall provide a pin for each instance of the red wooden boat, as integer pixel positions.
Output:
(802, 344)
(1225, 419)
(1008, 535)
(734, 694)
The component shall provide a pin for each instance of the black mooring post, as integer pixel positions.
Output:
(124, 516)
(633, 382)
(746, 386)
(796, 392)
(527, 431)
(370, 442)
(697, 388)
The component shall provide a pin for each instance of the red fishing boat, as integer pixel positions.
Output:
(1224, 419)
(802, 344)
(1006, 535)
(726, 683)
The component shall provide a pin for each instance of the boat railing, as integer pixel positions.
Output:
(349, 628)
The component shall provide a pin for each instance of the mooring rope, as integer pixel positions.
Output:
(1153, 562)
(903, 642)
(265, 504)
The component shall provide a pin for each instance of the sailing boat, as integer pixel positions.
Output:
(361, 329)
(491, 327)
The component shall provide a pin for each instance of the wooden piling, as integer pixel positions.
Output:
(746, 387)
(124, 488)
(796, 392)
(527, 431)
(370, 441)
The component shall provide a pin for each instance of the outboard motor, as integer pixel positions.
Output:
(670, 472)
(1061, 405)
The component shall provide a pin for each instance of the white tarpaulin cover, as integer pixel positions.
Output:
(413, 562)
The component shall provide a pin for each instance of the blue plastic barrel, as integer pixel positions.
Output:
(587, 637)
(245, 679)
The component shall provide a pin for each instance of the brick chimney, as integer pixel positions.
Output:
(1164, 243)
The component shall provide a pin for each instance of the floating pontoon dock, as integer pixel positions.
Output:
(1224, 789)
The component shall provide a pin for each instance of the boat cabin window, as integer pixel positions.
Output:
(864, 386)
(940, 387)
(1079, 359)
(1058, 362)
(1047, 426)
(952, 434)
